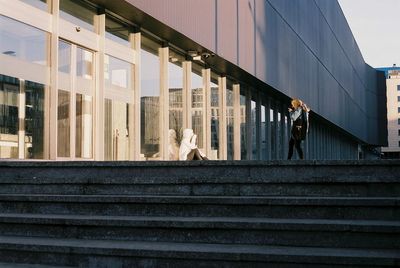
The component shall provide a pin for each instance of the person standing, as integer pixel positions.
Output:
(299, 116)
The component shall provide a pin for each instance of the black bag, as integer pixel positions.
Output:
(300, 127)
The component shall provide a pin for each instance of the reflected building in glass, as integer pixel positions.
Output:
(121, 80)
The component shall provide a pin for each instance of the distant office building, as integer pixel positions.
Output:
(109, 80)
(393, 112)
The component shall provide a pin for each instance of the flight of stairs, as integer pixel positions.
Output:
(200, 214)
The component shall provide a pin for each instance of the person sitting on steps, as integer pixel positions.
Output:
(188, 149)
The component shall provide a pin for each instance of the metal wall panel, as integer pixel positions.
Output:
(302, 48)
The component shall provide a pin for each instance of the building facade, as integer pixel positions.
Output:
(108, 80)
(393, 112)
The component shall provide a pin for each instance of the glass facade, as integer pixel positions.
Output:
(215, 119)
(229, 122)
(176, 97)
(198, 106)
(117, 93)
(150, 101)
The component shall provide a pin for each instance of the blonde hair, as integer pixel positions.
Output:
(296, 103)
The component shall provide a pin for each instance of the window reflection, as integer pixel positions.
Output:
(9, 123)
(175, 72)
(150, 101)
(198, 107)
(116, 127)
(229, 121)
(34, 120)
(15, 42)
(84, 63)
(63, 124)
(64, 57)
(253, 129)
(41, 4)
(273, 134)
(117, 31)
(264, 146)
(215, 117)
(243, 130)
(78, 12)
(84, 126)
(117, 72)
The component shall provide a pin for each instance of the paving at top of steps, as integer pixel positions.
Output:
(201, 171)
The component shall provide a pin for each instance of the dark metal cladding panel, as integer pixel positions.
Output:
(302, 48)
(227, 30)
(246, 26)
(193, 18)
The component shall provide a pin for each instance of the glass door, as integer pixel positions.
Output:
(75, 102)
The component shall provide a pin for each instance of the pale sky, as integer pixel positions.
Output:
(376, 27)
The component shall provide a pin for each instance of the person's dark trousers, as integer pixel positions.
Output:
(296, 143)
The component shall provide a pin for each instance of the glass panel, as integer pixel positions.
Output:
(78, 12)
(253, 130)
(22, 41)
(63, 124)
(279, 137)
(229, 123)
(84, 63)
(64, 57)
(84, 127)
(41, 4)
(150, 101)
(9, 124)
(273, 134)
(264, 147)
(117, 31)
(118, 72)
(175, 72)
(214, 120)
(197, 105)
(116, 136)
(34, 120)
(243, 130)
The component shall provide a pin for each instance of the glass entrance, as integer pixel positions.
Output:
(75, 97)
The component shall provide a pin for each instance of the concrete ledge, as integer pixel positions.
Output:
(227, 200)
(207, 222)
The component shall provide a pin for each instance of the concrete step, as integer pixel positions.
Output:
(222, 230)
(100, 253)
(25, 265)
(281, 178)
(208, 206)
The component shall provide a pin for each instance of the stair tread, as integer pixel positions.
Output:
(237, 200)
(145, 248)
(203, 222)
(26, 265)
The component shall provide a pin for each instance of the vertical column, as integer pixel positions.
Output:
(187, 94)
(134, 108)
(268, 127)
(222, 118)
(55, 5)
(289, 134)
(283, 140)
(236, 122)
(275, 133)
(206, 74)
(248, 125)
(164, 102)
(72, 110)
(100, 22)
(21, 119)
(258, 124)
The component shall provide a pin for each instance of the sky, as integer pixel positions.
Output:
(376, 27)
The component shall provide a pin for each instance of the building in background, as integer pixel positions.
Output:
(393, 112)
(107, 80)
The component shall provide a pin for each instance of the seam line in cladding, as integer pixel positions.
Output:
(355, 103)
